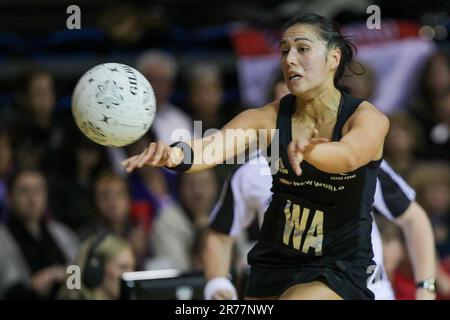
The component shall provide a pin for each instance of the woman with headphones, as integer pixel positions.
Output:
(102, 259)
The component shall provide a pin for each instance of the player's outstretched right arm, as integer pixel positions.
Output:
(201, 154)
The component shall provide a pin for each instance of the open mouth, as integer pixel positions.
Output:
(295, 77)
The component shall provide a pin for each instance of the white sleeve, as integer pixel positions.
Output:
(245, 194)
(392, 195)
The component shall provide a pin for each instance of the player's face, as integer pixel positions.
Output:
(306, 62)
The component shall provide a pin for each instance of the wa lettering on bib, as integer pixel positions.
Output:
(305, 226)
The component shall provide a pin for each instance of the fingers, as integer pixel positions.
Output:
(129, 164)
(165, 156)
(295, 156)
(168, 158)
(302, 145)
(318, 140)
(309, 144)
(158, 155)
(297, 148)
(146, 155)
(155, 155)
(133, 162)
(315, 133)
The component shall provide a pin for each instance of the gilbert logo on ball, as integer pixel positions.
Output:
(113, 104)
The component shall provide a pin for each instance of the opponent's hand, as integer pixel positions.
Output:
(297, 149)
(157, 154)
(220, 288)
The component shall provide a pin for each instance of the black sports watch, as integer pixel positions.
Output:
(428, 284)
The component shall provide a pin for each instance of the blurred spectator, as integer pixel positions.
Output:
(206, 95)
(112, 202)
(150, 187)
(404, 142)
(278, 88)
(160, 68)
(41, 131)
(434, 84)
(102, 259)
(440, 132)
(431, 180)
(175, 231)
(6, 162)
(90, 160)
(33, 249)
(71, 196)
(361, 80)
(123, 22)
(197, 249)
(198, 192)
(130, 26)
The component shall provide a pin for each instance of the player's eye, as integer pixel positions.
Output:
(284, 52)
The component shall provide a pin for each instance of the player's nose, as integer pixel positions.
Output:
(292, 58)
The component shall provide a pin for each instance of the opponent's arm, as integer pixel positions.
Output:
(419, 238)
(217, 254)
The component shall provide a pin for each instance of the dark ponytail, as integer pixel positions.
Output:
(330, 32)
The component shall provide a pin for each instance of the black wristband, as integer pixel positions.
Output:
(188, 157)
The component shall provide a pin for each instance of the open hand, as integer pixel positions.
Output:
(297, 149)
(157, 154)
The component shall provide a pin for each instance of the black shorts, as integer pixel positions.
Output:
(347, 279)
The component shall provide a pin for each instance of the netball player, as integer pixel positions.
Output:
(246, 194)
(315, 239)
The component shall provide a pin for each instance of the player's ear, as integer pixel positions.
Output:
(334, 57)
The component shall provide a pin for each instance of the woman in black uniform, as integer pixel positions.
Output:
(315, 239)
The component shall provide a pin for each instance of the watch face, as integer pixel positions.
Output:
(429, 285)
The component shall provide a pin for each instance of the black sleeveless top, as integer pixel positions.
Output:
(316, 217)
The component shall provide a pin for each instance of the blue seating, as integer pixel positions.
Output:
(11, 45)
(83, 41)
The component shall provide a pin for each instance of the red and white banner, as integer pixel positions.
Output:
(395, 52)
